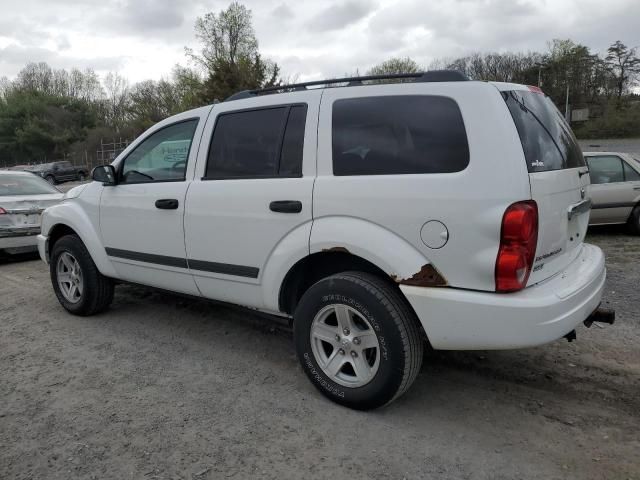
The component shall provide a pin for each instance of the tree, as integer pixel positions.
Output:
(229, 55)
(116, 100)
(395, 65)
(624, 64)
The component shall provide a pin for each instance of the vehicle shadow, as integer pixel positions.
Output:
(6, 258)
(555, 371)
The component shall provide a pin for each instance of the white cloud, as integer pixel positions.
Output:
(309, 38)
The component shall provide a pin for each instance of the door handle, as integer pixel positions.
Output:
(167, 204)
(286, 206)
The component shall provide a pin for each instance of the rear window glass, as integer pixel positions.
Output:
(547, 139)
(398, 135)
(24, 185)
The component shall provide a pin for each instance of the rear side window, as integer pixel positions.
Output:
(630, 175)
(547, 139)
(258, 143)
(398, 135)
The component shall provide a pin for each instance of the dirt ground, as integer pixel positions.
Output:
(163, 387)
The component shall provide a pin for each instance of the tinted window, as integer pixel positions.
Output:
(162, 156)
(398, 135)
(630, 175)
(605, 169)
(293, 143)
(547, 140)
(247, 144)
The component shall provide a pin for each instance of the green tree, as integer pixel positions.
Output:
(229, 54)
(36, 125)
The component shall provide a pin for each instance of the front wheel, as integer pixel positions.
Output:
(80, 287)
(51, 179)
(357, 340)
(81, 177)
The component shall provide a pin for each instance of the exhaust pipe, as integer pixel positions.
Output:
(601, 315)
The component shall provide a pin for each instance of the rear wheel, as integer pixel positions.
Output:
(80, 287)
(357, 340)
(634, 221)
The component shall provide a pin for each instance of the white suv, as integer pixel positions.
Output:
(374, 215)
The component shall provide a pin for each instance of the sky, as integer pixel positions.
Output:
(144, 39)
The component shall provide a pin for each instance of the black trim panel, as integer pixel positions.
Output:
(225, 268)
(612, 205)
(147, 257)
(201, 265)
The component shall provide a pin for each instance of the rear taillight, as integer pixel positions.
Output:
(2, 211)
(518, 238)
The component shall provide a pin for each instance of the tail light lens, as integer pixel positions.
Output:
(518, 238)
(2, 211)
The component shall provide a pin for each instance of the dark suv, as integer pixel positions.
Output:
(58, 172)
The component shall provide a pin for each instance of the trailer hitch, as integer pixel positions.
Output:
(601, 315)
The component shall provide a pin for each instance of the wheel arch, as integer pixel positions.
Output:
(67, 218)
(339, 244)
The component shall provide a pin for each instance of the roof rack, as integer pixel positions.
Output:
(430, 76)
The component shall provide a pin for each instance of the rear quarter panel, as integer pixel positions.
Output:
(470, 203)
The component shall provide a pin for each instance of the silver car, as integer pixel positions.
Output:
(23, 197)
(615, 188)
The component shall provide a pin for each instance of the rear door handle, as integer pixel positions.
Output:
(286, 206)
(167, 204)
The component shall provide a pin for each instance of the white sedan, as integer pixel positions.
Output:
(23, 197)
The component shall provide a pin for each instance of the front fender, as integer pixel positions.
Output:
(386, 250)
(74, 216)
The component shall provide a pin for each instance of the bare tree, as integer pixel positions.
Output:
(395, 65)
(116, 100)
(624, 64)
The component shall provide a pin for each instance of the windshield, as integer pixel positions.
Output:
(24, 185)
(547, 139)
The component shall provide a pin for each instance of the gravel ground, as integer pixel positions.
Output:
(163, 387)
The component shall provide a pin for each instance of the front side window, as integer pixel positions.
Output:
(162, 156)
(267, 142)
(394, 135)
(605, 169)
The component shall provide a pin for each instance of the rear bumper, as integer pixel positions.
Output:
(16, 237)
(456, 319)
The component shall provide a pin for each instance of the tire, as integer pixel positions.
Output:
(51, 179)
(634, 221)
(81, 177)
(93, 292)
(376, 312)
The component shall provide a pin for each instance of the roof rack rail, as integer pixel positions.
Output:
(430, 76)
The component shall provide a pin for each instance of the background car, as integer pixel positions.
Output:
(58, 172)
(23, 197)
(615, 189)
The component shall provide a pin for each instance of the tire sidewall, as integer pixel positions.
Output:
(383, 387)
(72, 245)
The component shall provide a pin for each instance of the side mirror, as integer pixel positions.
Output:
(105, 174)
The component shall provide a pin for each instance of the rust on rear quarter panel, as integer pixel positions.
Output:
(428, 276)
